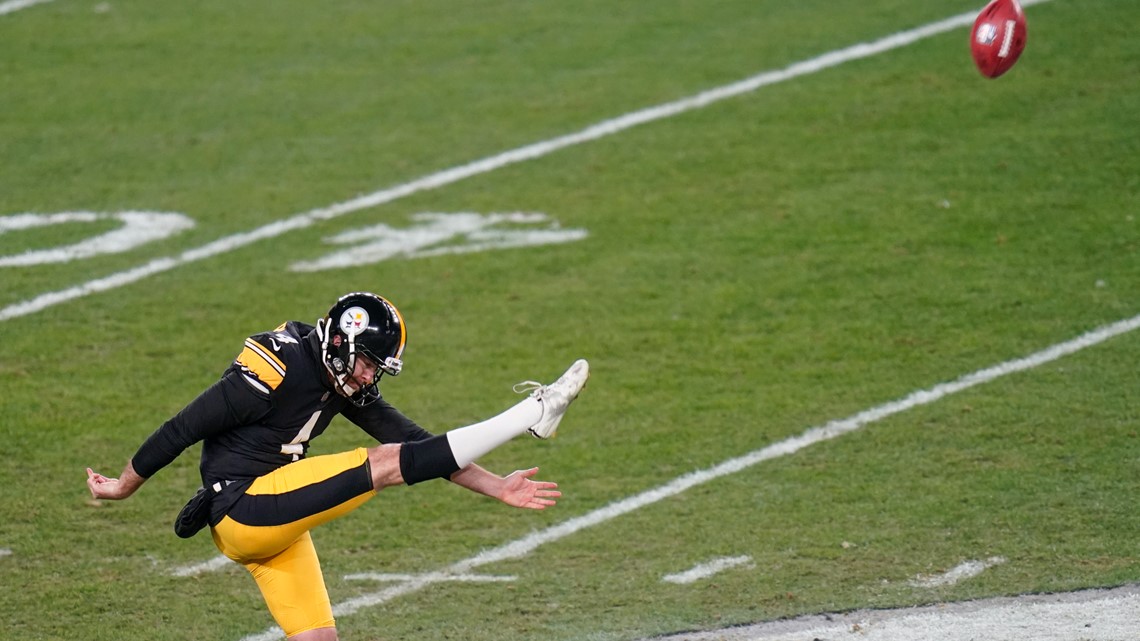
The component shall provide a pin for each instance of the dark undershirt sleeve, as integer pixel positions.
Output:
(228, 403)
(385, 423)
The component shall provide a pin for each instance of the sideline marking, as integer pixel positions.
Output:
(960, 572)
(833, 429)
(5, 552)
(705, 570)
(491, 163)
(16, 5)
(1088, 615)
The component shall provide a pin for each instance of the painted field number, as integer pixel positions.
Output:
(436, 234)
(138, 228)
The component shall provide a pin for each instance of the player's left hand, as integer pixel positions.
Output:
(520, 491)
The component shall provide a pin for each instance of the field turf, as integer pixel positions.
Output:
(745, 271)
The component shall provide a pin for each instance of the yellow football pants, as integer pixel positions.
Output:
(267, 531)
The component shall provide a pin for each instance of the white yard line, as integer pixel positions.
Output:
(489, 164)
(16, 5)
(834, 429)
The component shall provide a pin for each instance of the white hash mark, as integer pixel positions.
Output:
(705, 570)
(961, 572)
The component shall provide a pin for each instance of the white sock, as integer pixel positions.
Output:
(471, 442)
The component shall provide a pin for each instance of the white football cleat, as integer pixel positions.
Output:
(556, 397)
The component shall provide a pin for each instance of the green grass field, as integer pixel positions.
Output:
(751, 269)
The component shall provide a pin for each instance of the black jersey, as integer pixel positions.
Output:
(272, 400)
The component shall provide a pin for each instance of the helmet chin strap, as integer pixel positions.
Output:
(340, 379)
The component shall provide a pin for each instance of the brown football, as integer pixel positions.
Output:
(998, 37)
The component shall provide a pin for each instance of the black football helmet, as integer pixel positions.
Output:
(361, 323)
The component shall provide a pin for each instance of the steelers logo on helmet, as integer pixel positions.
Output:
(354, 321)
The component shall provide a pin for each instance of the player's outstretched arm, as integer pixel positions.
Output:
(517, 489)
(102, 487)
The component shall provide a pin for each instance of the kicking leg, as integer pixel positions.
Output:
(440, 456)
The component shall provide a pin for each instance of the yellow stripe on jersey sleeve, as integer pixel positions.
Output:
(262, 363)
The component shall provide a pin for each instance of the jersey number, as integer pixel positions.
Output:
(296, 447)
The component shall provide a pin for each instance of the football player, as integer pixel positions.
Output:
(261, 495)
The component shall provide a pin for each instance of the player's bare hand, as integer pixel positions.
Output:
(102, 487)
(520, 490)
